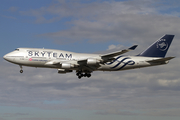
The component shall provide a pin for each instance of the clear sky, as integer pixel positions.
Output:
(89, 26)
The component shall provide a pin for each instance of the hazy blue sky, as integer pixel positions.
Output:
(89, 26)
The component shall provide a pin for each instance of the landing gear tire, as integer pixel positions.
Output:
(88, 75)
(80, 74)
(21, 71)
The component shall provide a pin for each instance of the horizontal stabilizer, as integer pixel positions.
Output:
(113, 54)
(161, 60)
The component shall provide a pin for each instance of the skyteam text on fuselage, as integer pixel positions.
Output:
(85, 64)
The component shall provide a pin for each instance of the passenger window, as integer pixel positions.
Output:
(16, 49)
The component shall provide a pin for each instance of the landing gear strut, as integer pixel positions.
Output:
(21, 71)
(80, 74)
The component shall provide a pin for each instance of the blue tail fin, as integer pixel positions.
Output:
(158, 48)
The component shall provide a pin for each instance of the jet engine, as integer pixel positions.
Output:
(67, 65)
(92, 61)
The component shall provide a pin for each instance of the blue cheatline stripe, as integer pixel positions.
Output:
(114, 60)
(120, 62)
(130, 62)
(127, 63)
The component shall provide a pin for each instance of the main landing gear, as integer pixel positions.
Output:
(80, 74)
(21, 71)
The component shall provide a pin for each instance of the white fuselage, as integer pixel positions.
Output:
(44, 57)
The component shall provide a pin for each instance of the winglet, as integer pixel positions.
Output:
(133, 47)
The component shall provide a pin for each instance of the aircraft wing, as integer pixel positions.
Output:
(113, 54)
(88, 64)
(160, 60)
(93, 62)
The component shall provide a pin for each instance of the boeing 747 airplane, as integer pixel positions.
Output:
(85, 64)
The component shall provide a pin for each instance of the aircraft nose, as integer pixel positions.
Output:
(5, 57)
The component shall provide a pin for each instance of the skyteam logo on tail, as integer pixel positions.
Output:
(162, 44)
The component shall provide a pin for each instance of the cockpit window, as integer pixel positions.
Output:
(16, 49)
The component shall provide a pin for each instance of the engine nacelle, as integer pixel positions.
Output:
(67, 65)
(92, 61)
(63, 71)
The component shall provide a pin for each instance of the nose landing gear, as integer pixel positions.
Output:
(21, 71)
